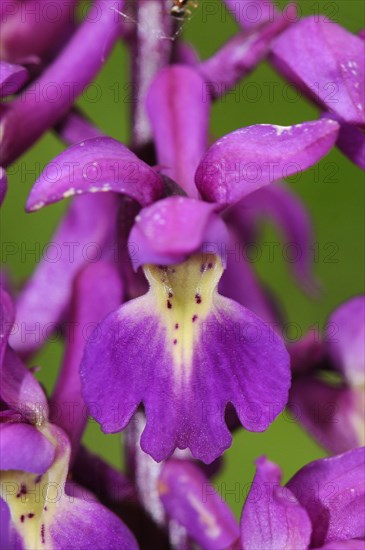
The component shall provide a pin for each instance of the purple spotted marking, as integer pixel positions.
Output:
(198, 299)
(43, 538)
(22, 518)
(175, 342)
(37, 479)
(31, 515)
(176, 326)
(169, 304)
(170, 294)
(194, 318)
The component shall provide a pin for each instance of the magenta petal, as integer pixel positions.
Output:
(251, 13)
(78, 240)
(179, 113)
(245, 160)
(235, 358)
(6, 322)
(351, 141)
(345, 340)
(23, 447)
(84, 523)
(171, 229)
(334, 416)
(191, 500)
(21, 390)
(272, 518)
(332, 492)
(328, 61)
(351, 544)
(12, 78)
(95, 165)
(292, 219)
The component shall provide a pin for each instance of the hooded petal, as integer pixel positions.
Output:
(191, 500)
(345, 340)
(333, 415)
(179, 114)
(79, 239)
(173, 228)
(332, 492)
(272, 518)
(94, 165)
(328, 62)
(245, 160)
(185, 352)
(12, 78)
(24, 447)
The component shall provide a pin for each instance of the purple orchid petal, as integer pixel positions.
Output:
(23, 447)
(79, 238)
(179, 116)
(332, 492)
(307, 354)
(251, 13)
(97, 292)
(245, 160)
(280, 204)
(189, 499)
(3, 185)
(351, 544)
(34, 29)
(27, 117)
(190, 369)
(346, 348)
(351, 141)
(95, 165)
(173, 228)
(238, 57)
(334, 416)
(328, 61)
(5, 535)
(12, 78)
(75, 128)
(21, 390)
(272, 518)
(81, 524)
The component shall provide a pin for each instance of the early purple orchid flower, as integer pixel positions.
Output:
(327, 62)
(191, 329)
(42, 509)
(321, 507)
(332, 411)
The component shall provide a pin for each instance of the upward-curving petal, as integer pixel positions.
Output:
(12, 78)
(178, 107)
(246, 160)
(95, 165)
(272, 517)
(328, 62)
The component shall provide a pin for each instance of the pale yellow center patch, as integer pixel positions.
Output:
(32, 499)
(182, 295)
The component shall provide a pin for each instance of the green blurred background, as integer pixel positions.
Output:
(333, 193)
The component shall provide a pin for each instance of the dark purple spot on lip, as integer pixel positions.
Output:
(202, 268)
(42, 534)
(170, 294)
(22, 518)
(169, 304)
(23, 489)
(175, 342)
(30, 516)
(194, 318)
(210, 265)
(37, 479)
(176, 326)
(45, 508)
(198, 299)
